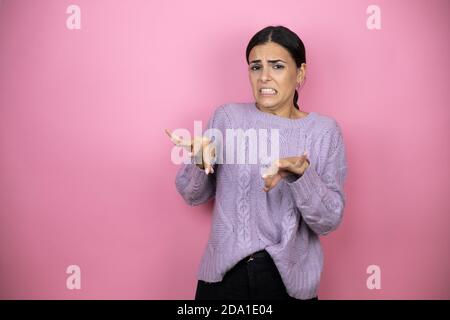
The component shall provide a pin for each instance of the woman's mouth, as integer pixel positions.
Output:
(267, 92)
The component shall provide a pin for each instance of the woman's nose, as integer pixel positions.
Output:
(265, 74)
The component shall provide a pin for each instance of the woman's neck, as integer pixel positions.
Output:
(289, 112)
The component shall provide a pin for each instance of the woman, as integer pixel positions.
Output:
(264, 239)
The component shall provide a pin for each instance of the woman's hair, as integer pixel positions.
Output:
(284, 37)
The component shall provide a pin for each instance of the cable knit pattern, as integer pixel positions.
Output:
(243, 207)
(286, 221)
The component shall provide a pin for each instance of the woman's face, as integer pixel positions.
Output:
(272, 67)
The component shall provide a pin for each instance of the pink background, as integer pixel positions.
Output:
(85, 170)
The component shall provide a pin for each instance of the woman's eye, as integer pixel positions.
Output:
(277, 66)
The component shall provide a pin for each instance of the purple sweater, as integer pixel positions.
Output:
(286, 221)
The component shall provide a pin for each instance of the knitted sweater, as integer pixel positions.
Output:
(285, 221)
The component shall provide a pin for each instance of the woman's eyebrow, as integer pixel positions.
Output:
(270, 61)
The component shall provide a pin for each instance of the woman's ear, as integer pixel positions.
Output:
(301, 73)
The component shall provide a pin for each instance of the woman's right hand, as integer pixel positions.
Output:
(200, 148)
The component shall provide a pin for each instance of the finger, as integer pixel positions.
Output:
(271, 182)
(301, 160)
(168, 132)
(284, 163)
(178, 140)
(208, 165)
(206, 140)
(175, 139)
(185, 144)
(208, 157)
(275, 181)
(272, 170)
(267, 183)
(197, 145)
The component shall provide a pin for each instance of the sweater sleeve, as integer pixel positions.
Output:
(319, 192)
(192, 183)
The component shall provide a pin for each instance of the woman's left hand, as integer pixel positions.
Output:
(281, 168)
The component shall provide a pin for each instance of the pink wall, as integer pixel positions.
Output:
(85, 170)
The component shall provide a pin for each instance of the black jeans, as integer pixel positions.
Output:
(255, 277)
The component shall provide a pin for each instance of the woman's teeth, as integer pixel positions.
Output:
(268, 91)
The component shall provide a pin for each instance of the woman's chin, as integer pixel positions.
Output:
(266, 104)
